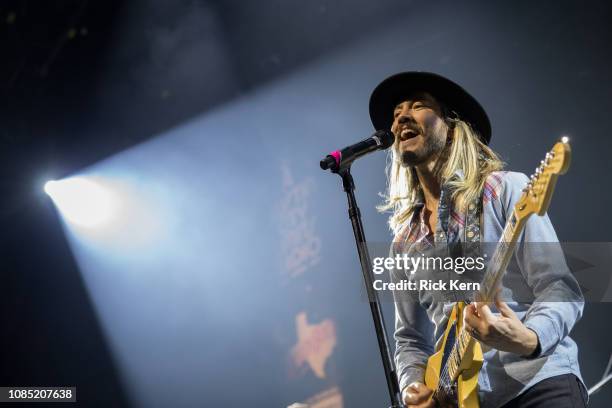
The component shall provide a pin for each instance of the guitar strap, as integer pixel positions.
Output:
(459, 243)
(471, 230)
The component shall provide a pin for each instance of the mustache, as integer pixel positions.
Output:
(408, 126)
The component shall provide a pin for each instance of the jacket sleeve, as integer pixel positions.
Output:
(558, 303)
(413, 334)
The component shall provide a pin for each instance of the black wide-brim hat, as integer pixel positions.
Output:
(393, 90)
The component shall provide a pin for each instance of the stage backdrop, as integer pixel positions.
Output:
(246, 288)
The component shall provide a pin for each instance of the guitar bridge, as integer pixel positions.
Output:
(447, 398)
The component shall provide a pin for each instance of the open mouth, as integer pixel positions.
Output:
(408, 134)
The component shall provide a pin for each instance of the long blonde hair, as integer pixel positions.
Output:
(465, 152)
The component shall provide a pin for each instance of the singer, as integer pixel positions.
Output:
(446, 185)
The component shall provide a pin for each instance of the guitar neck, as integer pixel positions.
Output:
(500, 259)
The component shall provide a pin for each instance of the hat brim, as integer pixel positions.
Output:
(394, 89)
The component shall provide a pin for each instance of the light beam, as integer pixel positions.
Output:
(82, 201)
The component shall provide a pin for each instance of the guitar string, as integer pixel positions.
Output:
(445, 380)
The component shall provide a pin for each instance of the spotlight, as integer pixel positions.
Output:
(49, 186)
(82, 201)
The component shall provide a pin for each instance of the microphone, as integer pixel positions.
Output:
(341, 159)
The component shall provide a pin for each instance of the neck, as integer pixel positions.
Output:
(428, 174)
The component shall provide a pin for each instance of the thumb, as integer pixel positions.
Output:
(415, 393)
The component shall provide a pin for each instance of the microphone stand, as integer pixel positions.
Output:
(377, 316)
(600, 384)
(605, 378)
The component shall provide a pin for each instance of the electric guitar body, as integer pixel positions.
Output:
(463, 392)
(452, 372)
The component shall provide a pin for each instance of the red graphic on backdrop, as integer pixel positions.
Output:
(315, 344)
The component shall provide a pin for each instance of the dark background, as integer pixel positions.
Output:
(81, 81)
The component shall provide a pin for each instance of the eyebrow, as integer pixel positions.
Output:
(411, 102)
(413, 99)
(398, 107)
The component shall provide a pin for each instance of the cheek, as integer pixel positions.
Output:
(433, 124)
(430, 120)
(394, 127)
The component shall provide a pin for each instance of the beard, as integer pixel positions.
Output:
(434, 144)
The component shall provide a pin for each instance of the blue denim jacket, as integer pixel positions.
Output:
(504, 375)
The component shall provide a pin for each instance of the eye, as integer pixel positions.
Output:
(417, 105)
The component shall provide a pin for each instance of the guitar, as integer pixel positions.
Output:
(452, 372)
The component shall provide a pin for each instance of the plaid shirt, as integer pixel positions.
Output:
(416, 231)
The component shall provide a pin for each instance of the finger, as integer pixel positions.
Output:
(471, 321)
(416, 393)
(485, 312)
(413, 399)
(473, 328)
(421, 388)
(472, 310)
(410, 395)
(469, 310)
(414, 386)
(504, 309)
(498, 292)
(474, 307)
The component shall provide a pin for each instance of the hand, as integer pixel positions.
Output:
(505, 332)
(416, 395)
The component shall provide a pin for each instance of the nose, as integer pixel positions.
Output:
(405, 114)
(405, 118)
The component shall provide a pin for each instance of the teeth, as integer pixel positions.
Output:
(405, 132)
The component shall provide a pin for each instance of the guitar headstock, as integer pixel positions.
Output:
(538, 191)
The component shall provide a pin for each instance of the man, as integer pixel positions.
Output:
(446, 186)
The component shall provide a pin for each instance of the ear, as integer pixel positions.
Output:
(450, 119)
(450, 131)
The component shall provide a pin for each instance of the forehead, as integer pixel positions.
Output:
(417, 96)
